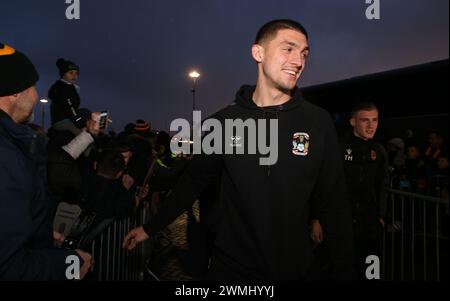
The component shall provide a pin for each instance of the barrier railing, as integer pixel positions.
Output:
(112, 262)
(415, 240)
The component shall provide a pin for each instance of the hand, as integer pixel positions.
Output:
(135, 236)
(59, 237)
(87, 261)
(316, 232)
(382, 222)
(127, 181)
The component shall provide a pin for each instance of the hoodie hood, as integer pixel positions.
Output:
(244, 98)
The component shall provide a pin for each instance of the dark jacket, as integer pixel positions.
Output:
(367, 175)
(107, 198)
(65, 103)
(65, 180)
(263, 233)
(26, 212)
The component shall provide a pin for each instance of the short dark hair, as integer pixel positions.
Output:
(363, 106)
(270, 29)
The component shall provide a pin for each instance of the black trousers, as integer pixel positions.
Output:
(368, 233)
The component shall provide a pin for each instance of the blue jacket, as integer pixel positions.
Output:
(26, 212)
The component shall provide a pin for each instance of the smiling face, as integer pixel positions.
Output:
(281, 60)
(365, 123)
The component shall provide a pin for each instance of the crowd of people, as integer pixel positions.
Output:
(74, 162)
(419, 165)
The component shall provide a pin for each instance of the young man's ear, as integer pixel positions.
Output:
(352, 121)
(95, 166)
(258, 53)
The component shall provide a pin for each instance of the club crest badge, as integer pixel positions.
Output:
(300, 144)
(373, 155)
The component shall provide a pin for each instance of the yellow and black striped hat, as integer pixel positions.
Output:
(17, 72)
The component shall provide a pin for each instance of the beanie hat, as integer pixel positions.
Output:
(141, 126)
(65, 66)
(17, 72)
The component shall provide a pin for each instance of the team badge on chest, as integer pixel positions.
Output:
(300, 144)
(373, 155)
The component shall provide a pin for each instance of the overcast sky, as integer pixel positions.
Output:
(135, 55)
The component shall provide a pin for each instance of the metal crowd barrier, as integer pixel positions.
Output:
(112, 262)
(415, 240)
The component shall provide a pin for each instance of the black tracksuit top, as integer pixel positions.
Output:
(265, 210)
(367, 176)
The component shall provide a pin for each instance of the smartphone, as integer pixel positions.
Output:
(103, 119)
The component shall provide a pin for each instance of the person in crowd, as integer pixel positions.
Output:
(396, 155)
(434, 149)
(439, 180)
(106, 189)
(27, 250)
(65, 99)
(67, 160)
(415, 170)
(142, 127)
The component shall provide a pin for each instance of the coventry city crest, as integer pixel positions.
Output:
(300, 143)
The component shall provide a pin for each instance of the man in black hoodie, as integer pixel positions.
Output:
(263, 230)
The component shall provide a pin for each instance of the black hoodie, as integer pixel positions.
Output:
(265, 210)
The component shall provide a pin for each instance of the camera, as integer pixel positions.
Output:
(79, 230)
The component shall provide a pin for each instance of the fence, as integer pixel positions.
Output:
(415, 240)
(112, 262)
